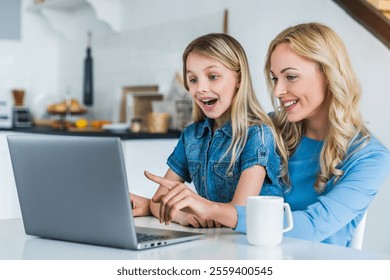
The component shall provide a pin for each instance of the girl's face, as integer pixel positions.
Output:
(212, 86)
(300, 86)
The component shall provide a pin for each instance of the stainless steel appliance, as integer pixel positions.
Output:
(22, 117)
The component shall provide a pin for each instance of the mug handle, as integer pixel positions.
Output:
(290, 223)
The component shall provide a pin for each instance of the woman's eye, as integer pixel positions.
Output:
(213, 77)
(291, 77)
(274, 80)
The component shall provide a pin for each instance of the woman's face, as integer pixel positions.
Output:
(300, 86)
(212, 85)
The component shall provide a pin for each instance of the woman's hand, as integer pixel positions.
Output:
(180, 197)
(140, 205)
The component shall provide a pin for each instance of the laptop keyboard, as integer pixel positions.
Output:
(143, 237)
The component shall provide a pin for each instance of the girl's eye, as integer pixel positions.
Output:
(274, 80)
(291, 77)
(192, 80)
(213, 77)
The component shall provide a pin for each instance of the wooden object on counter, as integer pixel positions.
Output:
(143, 105)
(84, 129)
(158, 122)
(142, 101)
(42, 122)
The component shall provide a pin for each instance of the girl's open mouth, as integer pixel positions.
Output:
(209, 102)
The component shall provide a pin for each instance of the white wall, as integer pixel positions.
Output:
(149, 47)
(31, 62)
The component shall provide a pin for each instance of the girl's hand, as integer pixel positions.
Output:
(140, 205)
(186, 219)
(180, 197)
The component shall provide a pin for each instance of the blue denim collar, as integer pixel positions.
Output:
(227, 128)
(207, 127)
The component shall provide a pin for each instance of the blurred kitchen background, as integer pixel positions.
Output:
(140, 43)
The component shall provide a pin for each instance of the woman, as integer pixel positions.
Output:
(335, 165)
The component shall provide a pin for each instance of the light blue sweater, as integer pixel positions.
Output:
(331, 217)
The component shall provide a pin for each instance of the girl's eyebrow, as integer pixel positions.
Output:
(208, 67)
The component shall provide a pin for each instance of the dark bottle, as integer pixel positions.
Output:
(88, 75)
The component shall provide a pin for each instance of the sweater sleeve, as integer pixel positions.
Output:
(241, 218)
(348, 198)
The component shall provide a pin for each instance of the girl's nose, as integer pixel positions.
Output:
(202, 86)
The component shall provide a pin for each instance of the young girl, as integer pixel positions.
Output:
(336, 166)
(230, 152)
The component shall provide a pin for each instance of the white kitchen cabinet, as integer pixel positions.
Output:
(9, 203)
(150, 155)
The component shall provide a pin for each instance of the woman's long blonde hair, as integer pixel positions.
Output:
(245, 109)
(322, 45)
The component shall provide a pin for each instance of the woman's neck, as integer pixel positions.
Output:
(317, 129)
(317, 125)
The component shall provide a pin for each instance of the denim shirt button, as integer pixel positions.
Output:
(230, 174)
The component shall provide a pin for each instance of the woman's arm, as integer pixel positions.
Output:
(331, 218)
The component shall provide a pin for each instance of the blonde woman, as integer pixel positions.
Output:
(335, 165)
(230, 152)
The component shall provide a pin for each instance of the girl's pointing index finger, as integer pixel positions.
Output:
(165, 183)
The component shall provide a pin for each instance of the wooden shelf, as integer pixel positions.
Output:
(371, 18)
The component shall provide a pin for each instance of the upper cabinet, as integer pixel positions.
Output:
(72, 18)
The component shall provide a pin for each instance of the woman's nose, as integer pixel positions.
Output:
(279, 90)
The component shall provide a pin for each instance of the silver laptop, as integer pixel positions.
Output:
(75, 188)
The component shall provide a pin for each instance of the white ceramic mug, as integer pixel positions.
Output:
(265, 218)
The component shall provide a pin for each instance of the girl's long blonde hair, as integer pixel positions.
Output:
(322, 45)
(245, 109)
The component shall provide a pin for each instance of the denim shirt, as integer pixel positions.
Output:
(198, 158)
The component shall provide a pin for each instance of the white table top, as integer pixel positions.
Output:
(219, 244)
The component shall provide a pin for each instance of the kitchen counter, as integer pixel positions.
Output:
(125, 135)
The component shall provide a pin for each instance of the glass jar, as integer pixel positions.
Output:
(136, 125)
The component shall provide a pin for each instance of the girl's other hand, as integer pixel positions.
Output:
(140, 205)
